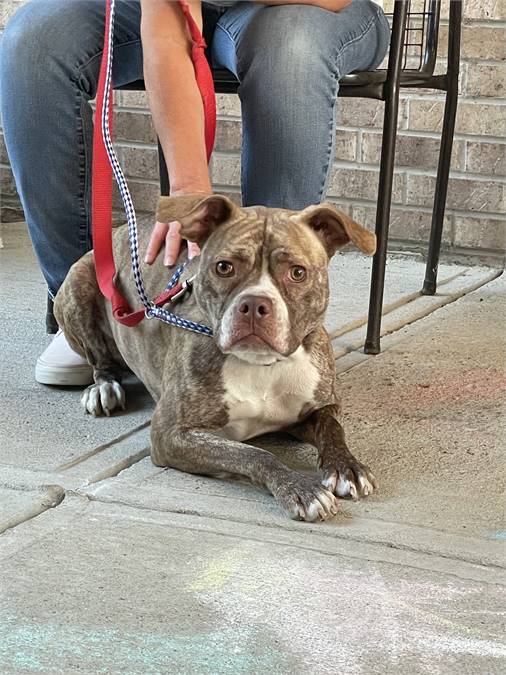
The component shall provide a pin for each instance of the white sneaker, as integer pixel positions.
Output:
(60, 365)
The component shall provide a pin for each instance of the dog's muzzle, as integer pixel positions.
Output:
(253, 324)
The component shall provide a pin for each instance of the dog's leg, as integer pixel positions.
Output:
(106, 394)
(342, 473)
(81, 316)
(202, 452)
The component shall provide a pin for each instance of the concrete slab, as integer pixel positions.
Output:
(409, 308)
(140, 592)
(429, 414)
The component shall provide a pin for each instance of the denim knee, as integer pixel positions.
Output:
(55, 31)
(37, 35)
(288, 62)
(306, 48)
(18, 37)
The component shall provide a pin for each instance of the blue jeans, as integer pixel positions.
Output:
(288, 58)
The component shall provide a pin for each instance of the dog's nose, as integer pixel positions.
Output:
(255, 307)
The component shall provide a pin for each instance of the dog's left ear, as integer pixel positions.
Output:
(335, 229)
(199, 215)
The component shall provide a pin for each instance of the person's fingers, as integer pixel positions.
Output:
(193, 250)
(155, 241)
(168, 234)
(172, 243)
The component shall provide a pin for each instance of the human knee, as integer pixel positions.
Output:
(18, 37)
(43, 30)
(281, 43)
(304, 47)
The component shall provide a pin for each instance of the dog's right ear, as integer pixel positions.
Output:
(199, 215)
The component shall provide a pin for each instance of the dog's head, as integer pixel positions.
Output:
(262, 277)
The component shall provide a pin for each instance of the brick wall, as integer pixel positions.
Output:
(475, 223)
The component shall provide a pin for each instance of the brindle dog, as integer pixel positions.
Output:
(262, 286)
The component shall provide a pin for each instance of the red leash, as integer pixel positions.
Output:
(102, 171)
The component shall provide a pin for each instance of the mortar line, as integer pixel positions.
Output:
(416, 208)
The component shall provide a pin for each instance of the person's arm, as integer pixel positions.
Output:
(174, 98)
(176, 107)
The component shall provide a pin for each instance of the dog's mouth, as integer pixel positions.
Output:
(253, 341)
(256, 348)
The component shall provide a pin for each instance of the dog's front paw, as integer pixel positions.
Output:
(103, 399)
(305, 498)
(349, 478)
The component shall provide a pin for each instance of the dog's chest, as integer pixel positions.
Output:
(260, 399)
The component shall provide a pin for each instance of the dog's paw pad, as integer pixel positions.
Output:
(103, 399)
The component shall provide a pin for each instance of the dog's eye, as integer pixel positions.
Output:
(224, 268)
(297, 273)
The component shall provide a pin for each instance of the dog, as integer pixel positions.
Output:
(261, 284)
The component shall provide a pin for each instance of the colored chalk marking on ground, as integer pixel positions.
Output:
(51, 647)
(217, 571)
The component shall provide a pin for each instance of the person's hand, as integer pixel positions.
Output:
(168, 234)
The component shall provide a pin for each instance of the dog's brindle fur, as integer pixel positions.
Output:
(214, 394)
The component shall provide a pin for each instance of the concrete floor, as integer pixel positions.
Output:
(110, 565)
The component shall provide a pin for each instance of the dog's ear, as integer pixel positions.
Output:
(199, 215)
(335, 229)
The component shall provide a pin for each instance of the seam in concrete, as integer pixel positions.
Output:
(54, 495)
(116, 469)
(421, 314)
(297, 530)
(101, 448)
(443, 302)
(404, 300)
(376, 546)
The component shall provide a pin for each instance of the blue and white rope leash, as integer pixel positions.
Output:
(151, 310)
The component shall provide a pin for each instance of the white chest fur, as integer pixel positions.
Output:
(267, 398)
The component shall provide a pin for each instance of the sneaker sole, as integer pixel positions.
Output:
(63, 377)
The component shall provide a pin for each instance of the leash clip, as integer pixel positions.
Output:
(186, 287)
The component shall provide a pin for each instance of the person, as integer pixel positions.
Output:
(288, 57)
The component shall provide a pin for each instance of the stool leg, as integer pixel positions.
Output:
(164, 175)
(445, 151)
(372, 343)
(438, 212)
(386, 174)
